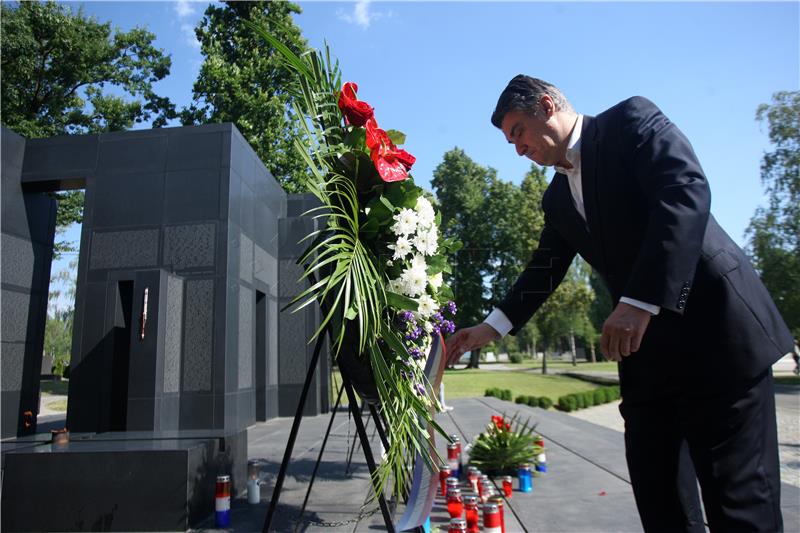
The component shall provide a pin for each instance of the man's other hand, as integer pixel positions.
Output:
(468, 339)
(623, 331)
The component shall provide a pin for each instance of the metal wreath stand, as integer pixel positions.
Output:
(356, 413)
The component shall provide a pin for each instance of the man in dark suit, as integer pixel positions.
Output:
(694, 329)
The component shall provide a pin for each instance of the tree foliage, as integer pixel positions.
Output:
(243, 81)
(56, 65)
(774, 231)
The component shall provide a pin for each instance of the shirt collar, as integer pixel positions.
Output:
(573, 148)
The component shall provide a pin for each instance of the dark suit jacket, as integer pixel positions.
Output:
(650, 235)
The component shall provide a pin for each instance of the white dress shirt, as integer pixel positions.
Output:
(498, 319)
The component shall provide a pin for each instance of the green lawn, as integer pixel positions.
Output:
(474, 382)
(606, 366)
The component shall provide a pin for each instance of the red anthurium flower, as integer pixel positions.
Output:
(508, 426)
(355, 111)
(393, 163)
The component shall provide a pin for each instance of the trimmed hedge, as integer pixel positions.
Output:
(545, 402)
(581, 400)
(503, 394)
(515, 358)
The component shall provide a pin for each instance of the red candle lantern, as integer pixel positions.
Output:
(444, 473)
(455, 503)
(491, 519)
(508, 486)
(471, 508)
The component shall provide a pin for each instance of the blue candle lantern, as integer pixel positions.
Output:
(525, 478)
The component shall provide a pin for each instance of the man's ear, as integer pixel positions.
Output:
(548, 106)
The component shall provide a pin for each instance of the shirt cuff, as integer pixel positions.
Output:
(499, 321)
(650, 308)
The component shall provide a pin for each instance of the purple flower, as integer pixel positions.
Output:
(419, 388)
(448, 326)
(451, 308)
(415, 353)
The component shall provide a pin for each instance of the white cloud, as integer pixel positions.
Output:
(362, 15)
(184, 8)
(189, 35)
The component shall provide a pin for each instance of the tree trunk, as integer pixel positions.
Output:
(474, 358)
(591, 352)
(544, 361)
(572, 348)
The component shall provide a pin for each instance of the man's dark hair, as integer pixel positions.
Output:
(523, 93)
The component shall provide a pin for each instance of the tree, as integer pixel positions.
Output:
(60, 314)
(461, 186)
(599, 310)
(774, 231)
(565, 312)
(243, 81)
(57, 66)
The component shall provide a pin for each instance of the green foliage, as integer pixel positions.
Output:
(774, 231)
(532, 401)
(515, 358)
(600, 396)
(502, 394)
(245, 81)
(580, 400)
(521, 399)
(58, 326)
(567, 403)
(545, 402)
(461, 185)
(588, 398)
(58, 64)
(499, 451)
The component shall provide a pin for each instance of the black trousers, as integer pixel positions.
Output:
(731, 437)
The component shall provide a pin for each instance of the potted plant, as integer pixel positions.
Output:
(504, 446)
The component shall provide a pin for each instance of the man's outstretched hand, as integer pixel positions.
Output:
(623, 331)
(468, 339)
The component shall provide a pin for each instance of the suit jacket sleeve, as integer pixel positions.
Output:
(540, 278)
(675, 188)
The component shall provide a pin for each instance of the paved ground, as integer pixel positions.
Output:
(586, 489)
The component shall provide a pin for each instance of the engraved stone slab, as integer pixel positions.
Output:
(198, 335)
(17, 259)
(174, 335)
(245, 364)
(11, 365)
(15, 308)
(189, 245)
(124, 249)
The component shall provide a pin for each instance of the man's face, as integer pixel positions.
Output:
(532, 136)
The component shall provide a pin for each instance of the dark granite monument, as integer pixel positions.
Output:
(188, 251)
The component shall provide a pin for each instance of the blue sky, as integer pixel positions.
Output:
(435, 70)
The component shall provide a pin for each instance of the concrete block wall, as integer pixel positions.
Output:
(27, 225)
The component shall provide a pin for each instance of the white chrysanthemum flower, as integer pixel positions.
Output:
(414, 281)
(426, 307)
(405, 222)
(389, 263)
(418, 261)
(436, 281)
(397, 286)
(402, 248)
(427, 242)
(425, 212)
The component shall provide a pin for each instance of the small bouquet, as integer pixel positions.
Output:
(376, 265)
(506, 444)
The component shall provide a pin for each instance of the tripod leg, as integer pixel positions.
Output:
(362, 434)
(319, 458)
(379, 426)
(287, 454)
(353, 445)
